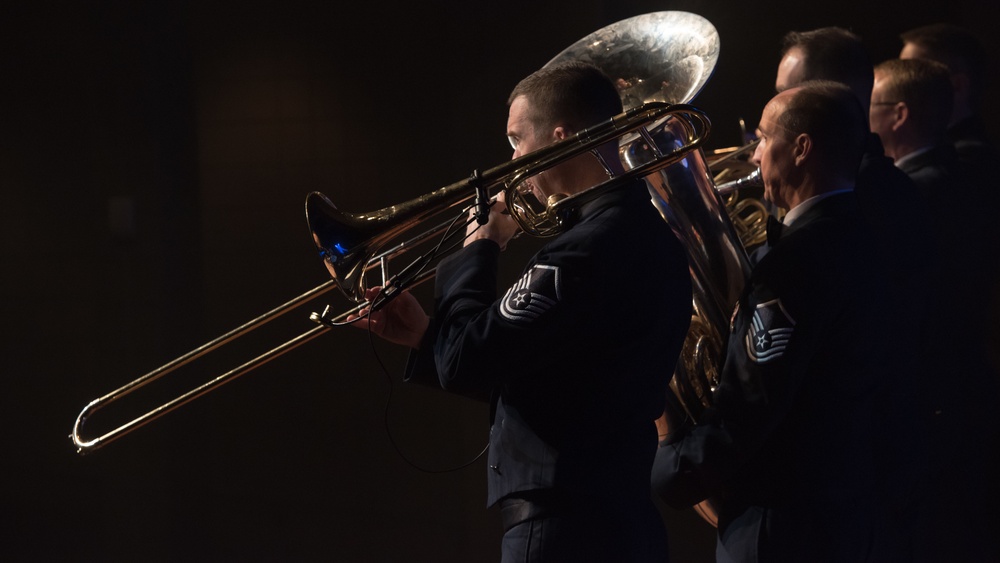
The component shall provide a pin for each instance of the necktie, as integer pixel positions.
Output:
(774, 227)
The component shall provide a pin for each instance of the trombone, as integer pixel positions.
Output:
(351, 245)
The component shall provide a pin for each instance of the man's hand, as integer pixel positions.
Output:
(402, 320)
(500, 228)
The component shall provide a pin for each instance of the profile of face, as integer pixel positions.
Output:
(791, 69)
(883, 115)
(525, 138)
(775, 151)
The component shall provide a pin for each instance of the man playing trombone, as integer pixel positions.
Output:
(577, 375)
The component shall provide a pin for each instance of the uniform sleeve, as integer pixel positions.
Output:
(758, 382)
(483, 337)
(693, 466)
(755, 392)
(420, 367)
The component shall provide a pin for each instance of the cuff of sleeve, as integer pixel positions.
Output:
(420, 365)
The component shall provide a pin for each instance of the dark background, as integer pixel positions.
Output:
(154, 160)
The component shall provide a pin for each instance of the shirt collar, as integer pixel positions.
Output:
(907, 157)
(801, 208)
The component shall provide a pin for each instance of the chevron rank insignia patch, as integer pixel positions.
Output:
(536, 292)
(770, 330)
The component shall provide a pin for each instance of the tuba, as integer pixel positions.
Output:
(668, 57)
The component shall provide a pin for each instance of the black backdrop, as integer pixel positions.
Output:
(154, 158)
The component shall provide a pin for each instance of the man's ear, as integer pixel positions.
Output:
(561, 132)
(802, 148)
(900, 115)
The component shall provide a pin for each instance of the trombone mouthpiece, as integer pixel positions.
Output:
(751, 180)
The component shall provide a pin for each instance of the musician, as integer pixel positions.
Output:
(911, 106)
(963, 54)
(577, 367)
(967, 60)
(898, 219)
(886, 193)
(788, 450)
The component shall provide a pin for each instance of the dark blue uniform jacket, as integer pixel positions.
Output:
(577, 353)
(799, 443)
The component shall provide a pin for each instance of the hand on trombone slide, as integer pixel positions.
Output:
(400, 320)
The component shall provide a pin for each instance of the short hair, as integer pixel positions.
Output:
(574, 94)
(925, 86)
(833, 53)
(959, 49)
(830, 113)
